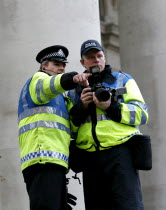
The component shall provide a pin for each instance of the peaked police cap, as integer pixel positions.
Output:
(53, 53)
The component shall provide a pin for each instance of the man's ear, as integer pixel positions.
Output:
(82, 62)
(43, 67)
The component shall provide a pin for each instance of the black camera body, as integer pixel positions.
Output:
(100, 90)
(117, 93)
(96, 86)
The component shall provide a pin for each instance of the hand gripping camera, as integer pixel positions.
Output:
(96, 86)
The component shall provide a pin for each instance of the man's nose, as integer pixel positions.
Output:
(62, 67)
(96, 60)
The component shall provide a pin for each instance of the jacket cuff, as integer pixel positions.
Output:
(114, 111)
(67, 81)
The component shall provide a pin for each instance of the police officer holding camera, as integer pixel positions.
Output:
(110, 180)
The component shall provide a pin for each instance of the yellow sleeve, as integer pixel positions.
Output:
(44, 88)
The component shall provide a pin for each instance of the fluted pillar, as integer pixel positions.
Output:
(143, 55)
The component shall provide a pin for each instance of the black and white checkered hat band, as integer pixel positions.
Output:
(59, 54)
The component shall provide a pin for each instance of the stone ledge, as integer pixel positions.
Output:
(110, 35)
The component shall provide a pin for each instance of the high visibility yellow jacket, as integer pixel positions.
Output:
(98, 129)
(43, 121)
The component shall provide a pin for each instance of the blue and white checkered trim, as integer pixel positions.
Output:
(44, 153)
(60, 53)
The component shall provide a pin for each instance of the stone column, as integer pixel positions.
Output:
(26, 27)
(143, 55)
(110, 32)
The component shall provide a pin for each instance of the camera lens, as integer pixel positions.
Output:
(102, 94)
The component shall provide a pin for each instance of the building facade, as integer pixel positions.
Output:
(133, 36)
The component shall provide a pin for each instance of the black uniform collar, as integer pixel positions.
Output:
(106, 75)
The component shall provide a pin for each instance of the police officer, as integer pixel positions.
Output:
(44, 130)
(110, 179)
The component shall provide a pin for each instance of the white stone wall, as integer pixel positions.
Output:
(26, 27)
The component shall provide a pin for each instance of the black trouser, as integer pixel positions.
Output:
(46, 186)
(110, 181)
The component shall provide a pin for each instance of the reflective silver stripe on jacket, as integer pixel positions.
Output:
(45, 124)
(133, 113)
(142, 105)
(42, 109)
(52, 87)
(24, 100)
(44, 153)
(100, 117)
(39, 89)
(120, 80)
